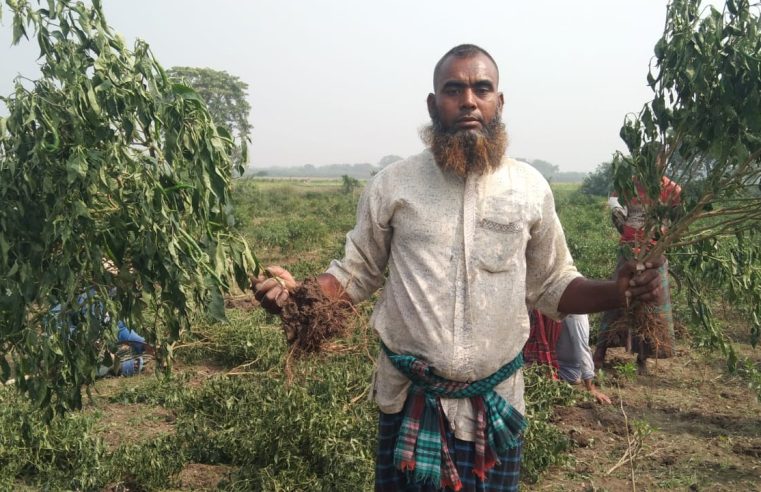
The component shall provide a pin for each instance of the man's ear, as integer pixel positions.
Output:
(431, 105)
(501, 101)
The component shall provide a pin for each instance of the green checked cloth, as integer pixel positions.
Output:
(421, 447)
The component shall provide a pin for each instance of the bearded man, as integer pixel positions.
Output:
(470, 238)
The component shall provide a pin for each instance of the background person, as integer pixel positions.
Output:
(542, 341)
(564, 346)
(575, 357)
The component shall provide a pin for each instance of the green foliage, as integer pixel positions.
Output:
(729, 270)
(225, 96)
(280, 219)
(250, 339)
(147, 465)
(314, 433)
(703, 130)
(703, 126)
(104, 158)
(167, 390)
(600, 181)
(626, 370)
(61, 455)
(591, 238)
(294, 235)
(349, 184)
(543, 444)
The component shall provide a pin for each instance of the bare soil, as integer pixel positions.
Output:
(131, 423)
(197, 476)
(699, 429)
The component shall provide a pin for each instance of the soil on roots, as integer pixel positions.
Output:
(310, 318)
(642, 330)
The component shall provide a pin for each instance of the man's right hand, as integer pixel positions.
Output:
(273, 290)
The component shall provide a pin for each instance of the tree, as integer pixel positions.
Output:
(703, 130)
(226, 98)
(600, 181)
(388, 159)
(349, 184)
(114, 183)
(546, 168)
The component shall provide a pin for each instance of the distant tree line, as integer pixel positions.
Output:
(365, 170)
(600, 181)
(552, 173)
(356, 171)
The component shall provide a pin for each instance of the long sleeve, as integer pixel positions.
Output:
(361, 270)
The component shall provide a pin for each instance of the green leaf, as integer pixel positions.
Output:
(93, 101)
(660, 48)
(18, 29)
(217, 306)
(186, 92)
(76, 167)
(731, 7)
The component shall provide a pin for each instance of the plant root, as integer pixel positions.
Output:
(644, 330)
(311, 319)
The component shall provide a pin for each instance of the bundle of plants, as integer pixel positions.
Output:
(311, 319)
(693, 168)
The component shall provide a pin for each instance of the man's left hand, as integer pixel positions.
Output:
(643, 283)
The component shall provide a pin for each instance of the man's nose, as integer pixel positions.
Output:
(468, 100)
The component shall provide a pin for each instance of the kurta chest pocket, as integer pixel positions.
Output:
(499, 242)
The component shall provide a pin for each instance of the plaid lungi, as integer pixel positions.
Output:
(542, 341)
(609, 337)
(503, 477)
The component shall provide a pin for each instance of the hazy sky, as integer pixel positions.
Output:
(345, 81)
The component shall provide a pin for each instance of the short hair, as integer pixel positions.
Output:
(462, 51)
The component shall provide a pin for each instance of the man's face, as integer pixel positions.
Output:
(466, 96)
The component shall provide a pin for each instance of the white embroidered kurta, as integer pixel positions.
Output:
(465, 257)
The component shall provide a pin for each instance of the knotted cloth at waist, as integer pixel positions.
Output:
(421, 447)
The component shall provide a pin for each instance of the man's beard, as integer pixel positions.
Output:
(477, 151)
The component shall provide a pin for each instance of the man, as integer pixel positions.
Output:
(469, 237)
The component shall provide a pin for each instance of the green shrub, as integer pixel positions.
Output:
(147, 465)
(64, 454)
(306, 435)
(543, 443)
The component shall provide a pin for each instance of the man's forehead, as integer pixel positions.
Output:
(477, 66)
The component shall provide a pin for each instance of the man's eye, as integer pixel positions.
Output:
(452, 91)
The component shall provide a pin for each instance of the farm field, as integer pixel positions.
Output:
(237, 413)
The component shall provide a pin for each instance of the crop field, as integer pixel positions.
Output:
(234, 412)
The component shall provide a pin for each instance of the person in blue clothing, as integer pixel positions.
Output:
(130, 353)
